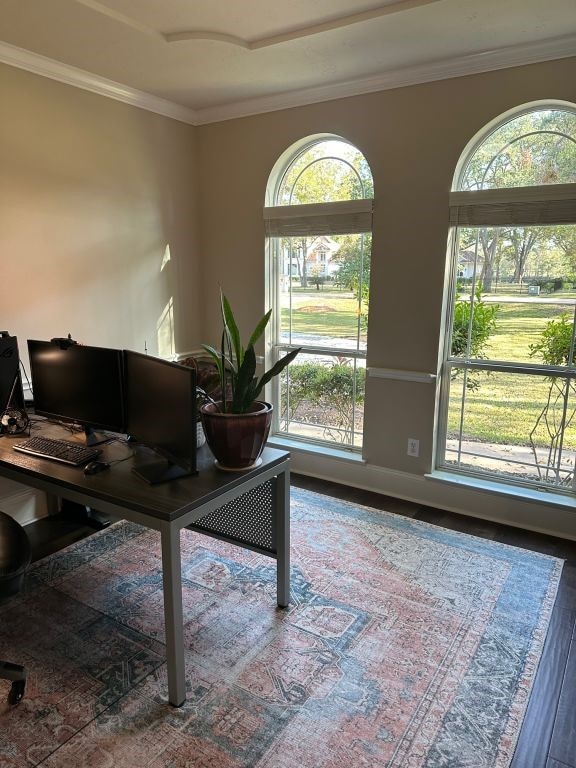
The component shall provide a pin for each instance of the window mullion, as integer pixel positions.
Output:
(472, 297)
(567, 387)
(507, 367)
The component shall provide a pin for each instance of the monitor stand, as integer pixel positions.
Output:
(160, 472)
(93, 437)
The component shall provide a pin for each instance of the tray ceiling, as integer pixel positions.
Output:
(215, 59)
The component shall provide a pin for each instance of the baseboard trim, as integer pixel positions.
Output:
(536, 515)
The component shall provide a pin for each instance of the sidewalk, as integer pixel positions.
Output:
(515, 460)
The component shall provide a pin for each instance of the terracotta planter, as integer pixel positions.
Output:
(236, 439)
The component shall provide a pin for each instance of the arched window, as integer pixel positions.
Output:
(318, 219)
(508, 392)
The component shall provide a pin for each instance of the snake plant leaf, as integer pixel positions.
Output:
(216, 357)
(277, 368)
(228, 371)
(250, 394)
(260, 328)
(230, 325)
(244, 379)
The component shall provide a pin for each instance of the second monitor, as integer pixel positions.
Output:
(161, 413)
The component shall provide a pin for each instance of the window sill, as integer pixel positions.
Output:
(521, 493)
(318, 450)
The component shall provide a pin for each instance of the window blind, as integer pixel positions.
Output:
(517, 206)
(339, 218)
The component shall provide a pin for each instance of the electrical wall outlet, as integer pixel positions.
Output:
(413, 447)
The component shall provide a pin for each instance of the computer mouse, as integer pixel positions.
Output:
(96, 466)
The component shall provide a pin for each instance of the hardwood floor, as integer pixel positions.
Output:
(548, 736)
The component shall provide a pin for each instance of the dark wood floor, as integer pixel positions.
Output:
(548, 737)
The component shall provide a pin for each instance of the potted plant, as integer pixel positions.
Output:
(237, 425)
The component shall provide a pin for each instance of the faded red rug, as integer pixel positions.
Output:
(405, 646)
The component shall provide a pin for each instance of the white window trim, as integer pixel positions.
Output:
(339, 217)
(509, 206)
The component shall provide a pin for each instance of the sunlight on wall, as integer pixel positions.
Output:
(166, 257)
(165, 324)
(165, 331)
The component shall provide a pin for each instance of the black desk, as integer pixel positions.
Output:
(250, 509)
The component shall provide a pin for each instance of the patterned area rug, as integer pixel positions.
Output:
(405, 646)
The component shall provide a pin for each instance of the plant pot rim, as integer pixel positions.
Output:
(258, 406)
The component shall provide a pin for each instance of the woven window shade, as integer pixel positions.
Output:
(340, 218)
(519, 206)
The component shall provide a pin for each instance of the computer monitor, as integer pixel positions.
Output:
(78, 384)
(161, 414)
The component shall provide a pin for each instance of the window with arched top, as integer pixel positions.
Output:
(508, 384)
(318, 218)
(531, 149)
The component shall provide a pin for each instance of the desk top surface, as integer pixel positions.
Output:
(118, 485)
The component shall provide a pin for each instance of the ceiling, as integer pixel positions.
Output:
(206, 60)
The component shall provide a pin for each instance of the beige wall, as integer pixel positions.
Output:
(91, 193)
(412, 137)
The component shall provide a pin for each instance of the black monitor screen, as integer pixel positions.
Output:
(161, 413)
(78, 384)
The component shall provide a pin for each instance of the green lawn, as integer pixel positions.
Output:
(504, 408)
(326, 313)
(518, 326)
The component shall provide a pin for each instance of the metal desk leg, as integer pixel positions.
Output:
(282, 524)
(173, 619)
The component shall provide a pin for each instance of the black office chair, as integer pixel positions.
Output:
(14, 559)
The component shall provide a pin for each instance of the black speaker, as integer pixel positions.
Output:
(11, 393)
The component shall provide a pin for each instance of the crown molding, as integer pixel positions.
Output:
(87, 81)
(476, 63)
